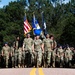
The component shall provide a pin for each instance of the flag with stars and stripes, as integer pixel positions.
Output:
(27, 26)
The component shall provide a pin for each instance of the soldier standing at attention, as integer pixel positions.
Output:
(38, 51)
(5, 53)
(27, 46)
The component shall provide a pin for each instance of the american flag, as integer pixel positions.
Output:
(27, 26)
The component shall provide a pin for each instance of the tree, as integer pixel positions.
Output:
(11, 21)
(60, 20)
(68, 34)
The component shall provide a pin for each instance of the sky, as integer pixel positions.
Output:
(66, 1)
(6, 2)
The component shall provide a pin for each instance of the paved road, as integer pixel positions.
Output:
(37, 71)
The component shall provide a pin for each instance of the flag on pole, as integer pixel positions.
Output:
(27, 26)
(36, 28)
(44, 24)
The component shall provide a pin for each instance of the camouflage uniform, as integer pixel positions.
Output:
(53, 57)
(61, 56)
(19, 56)
(68, 57)
(23, 58)
(5, 53)
(54, 47)
(38, 52)
(48, 50)
(12, 54)
(28, 42)
(16, 53)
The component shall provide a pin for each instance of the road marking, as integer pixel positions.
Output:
(33, 71)
(40, 71)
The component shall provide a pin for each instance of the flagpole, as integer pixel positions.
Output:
(25, 18)
(25, 14)
(34, 15)
(43, 23)
(42, 18)
(33, 20)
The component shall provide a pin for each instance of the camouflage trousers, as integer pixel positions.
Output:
(23, 58)
(19, 56)
(13, 61)
(38, 57)
(48, 57)
(68, 61)
(6, 58)
(16, 58)
(53, 58)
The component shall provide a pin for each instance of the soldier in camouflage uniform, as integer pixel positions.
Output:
(68, 57)
(54, 56)
(12, 54)
(16, 51)
(5, 53)
(27, 46)
(54, 47)
(23, 58)
(24, 52)
(47, 44)
(17, 54)
(57, 58)
(20, 57)
(61, 56)
(73, 56)
(38, 51)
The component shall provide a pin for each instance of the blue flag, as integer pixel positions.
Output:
(36, 28)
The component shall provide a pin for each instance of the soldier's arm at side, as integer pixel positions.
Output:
(23, 44)
(42, 47)
(2, 53)
(32, 43)
(33, 48)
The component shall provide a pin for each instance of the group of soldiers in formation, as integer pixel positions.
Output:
(36, 53)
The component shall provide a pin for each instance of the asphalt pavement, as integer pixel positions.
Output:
(37, 71)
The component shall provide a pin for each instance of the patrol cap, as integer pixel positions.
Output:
(6, 43)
